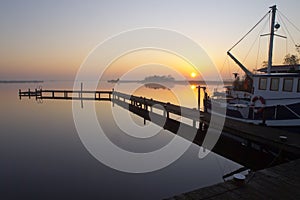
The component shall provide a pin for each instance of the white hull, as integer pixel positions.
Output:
(272, 123)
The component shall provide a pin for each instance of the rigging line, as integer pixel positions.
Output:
(287, 30)
(221, 70)
(258, 51)
(255, 41)
(223, 64)
(285, 33)
(229, 71)
(292, 111)
(250, 49)
(250, 30)
(289, 21)
(286, 47)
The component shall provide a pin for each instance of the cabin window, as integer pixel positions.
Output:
(288, 85)
(298, 89)
(263, 83)
(274, 84)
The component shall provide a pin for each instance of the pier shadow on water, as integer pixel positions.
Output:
(252, 155)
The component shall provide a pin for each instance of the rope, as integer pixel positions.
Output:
(257, 56)
(289, 21)
(284, 25)
(292, 111)
(255, 40)
(250, 30)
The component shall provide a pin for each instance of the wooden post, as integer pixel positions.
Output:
(166, 113)
(20, 94)
(52, 94)
(168, 116)
(36, 94)
(205, 99)
(41, 92)
(113, 97)
(198, 87)
(201, 126)
(29, 93)
(194, 123)
(145, 104)
(81, 88)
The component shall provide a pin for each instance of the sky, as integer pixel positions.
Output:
(49, 39)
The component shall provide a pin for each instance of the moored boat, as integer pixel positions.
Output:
(271, 97)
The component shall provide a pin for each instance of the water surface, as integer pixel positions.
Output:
(42, 156)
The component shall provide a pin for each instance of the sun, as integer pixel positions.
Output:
(193, 87)
(193, 74)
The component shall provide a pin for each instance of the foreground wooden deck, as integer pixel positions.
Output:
(279, 182)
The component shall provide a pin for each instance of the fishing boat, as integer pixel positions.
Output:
(271, 97)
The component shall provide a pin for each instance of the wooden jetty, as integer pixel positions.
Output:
(244, 139)
(67, 94)
(279, 182)
(239, 142)
(258, 134)
(226, 146)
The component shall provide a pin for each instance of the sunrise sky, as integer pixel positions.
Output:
(49, 40)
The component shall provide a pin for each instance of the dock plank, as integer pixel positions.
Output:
(269, 183)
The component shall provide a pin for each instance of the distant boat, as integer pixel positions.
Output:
(113, 81)
(271, 98)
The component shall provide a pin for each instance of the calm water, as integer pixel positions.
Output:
(42, 156)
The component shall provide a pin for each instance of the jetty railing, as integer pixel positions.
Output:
(166, 107)
(67, 94)
(141, 102)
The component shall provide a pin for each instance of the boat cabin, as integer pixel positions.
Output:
(277, 85)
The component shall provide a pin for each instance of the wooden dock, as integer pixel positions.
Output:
(227, 146)
(258, 134)
(67, 94)
(245, 139)
(239, 142)
(279, 182)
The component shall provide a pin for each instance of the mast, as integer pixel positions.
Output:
(273, 11)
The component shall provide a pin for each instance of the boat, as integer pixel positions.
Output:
(113, 81)
(270, 98)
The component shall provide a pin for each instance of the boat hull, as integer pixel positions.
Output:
(277, 116)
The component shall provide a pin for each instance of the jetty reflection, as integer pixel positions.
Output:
(242, 144)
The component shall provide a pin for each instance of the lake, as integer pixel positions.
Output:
(42, 156)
